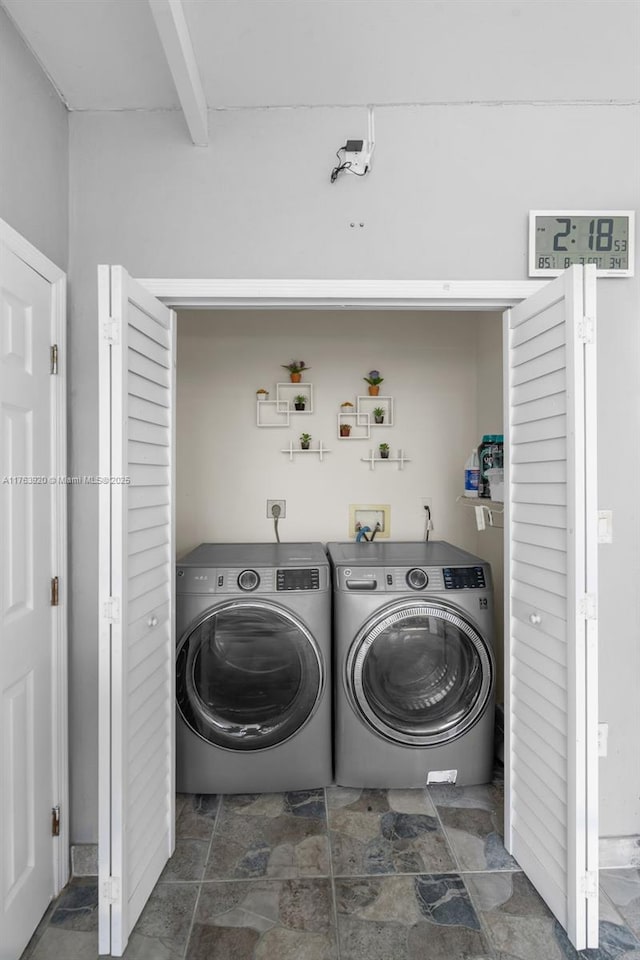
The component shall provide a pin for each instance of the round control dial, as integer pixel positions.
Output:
(417, 579)
(248, 580)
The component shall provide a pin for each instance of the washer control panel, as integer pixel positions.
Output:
(390, 579)
(402, 579)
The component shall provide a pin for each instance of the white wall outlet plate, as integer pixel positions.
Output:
(280, 503)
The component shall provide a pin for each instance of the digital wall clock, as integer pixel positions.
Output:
(560, 238)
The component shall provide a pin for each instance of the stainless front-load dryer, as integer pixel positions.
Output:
(253, 668)
(414, 664)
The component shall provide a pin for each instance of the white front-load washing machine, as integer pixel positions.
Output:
(253, 668)
(414, 664)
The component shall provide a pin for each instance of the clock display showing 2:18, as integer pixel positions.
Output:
(600, 235)
(564, 240)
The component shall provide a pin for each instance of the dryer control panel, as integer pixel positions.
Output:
(461, 578)
(298, 579)
(250, 580)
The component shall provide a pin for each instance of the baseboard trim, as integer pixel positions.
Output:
(84, 860)
(619, 852)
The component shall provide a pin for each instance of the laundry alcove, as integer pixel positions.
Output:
(555, 307)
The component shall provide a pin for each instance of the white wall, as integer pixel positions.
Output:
(448, 198)
(34, 155)
(228, 466)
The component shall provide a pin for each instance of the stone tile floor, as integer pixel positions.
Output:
(343, 874)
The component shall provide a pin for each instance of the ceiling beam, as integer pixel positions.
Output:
(174, 34)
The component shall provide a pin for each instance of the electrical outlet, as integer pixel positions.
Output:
(277, 503)
(603, 738)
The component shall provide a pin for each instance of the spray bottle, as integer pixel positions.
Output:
(471, 474)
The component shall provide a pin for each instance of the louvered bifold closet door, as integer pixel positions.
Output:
(551, 803)
(137, 787)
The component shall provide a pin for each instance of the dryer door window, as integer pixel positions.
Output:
(248, 676)
(420, 674)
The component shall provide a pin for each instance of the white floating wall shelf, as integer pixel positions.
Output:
(374, 460)
(292, 451)
(366, 405)
(360, 424)
(277, 413)
(288, 391)
(272, 413)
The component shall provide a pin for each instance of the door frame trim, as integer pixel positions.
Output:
(342, 294)
(59, 554)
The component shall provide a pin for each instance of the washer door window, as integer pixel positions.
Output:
(248, 676)
(420, 674)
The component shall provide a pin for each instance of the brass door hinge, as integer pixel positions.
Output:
(55, 821)
(54, 358)
(54, 592)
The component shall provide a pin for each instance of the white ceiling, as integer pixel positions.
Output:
(106, 54)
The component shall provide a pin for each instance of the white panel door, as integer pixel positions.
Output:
(551, 803)
(136, 595)
(26, 637)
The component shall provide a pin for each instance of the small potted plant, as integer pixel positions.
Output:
(378, 414)
(296, 368)
(300, 401)
(262, 394)
(374, 380)
(345, 429)
(346, 407)
(305, 441)
(384, 451)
